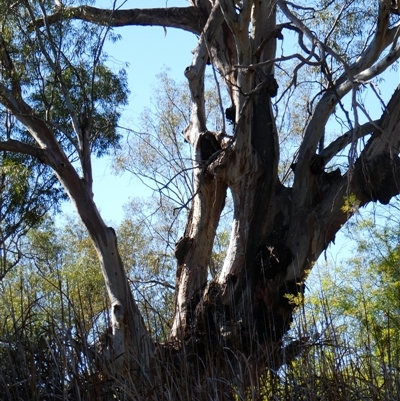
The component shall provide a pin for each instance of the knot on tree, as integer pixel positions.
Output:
(277, 33)
(272, 259)
(181, 248)
(324, 180)
(380, 177)
(317, 165)
(190, 72)
(271, 85)
(394, 7)
(209, 144)
(230, 114)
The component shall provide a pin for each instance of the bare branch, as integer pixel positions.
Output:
(275, 34)
(306, 31)
(11, 145)
(153, 282)
(332, 97)
(186, 18)
(303, 60)
(195, 75)
(379, 67)
(340, 143)
(383, 37)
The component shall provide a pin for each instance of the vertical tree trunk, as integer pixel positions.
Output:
(131, 348)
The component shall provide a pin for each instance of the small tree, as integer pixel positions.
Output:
(282, 222)
(351, 320)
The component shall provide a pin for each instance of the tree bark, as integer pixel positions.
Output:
(278, 232)
(131, 346)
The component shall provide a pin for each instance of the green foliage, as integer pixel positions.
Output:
(63, 76)
(28, 191)
(345, 343)
(97, 93)
(158, 155)
(157, 152)
(351, 204)
(344, 25)
(146, 238)
(59, 274)
(350, 322)
(59, 269)
(53, 307)
(60, 72)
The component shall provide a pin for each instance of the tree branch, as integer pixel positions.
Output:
(377, 178)
(340, 143)
(374, 177)
(386, 138)
(186, 18)
(324, 110)
(24, 113)
(153, 282)
(11, 145)
(195, 75)
(383, 37)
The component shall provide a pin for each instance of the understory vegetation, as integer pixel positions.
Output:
(344, 340)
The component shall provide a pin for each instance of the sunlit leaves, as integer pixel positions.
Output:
(350, 319)
(28, 191)
(363, 295)
(96, 96)
(61, 73)
(59, 276)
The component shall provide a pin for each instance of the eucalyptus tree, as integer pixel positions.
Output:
(28, 190)
(332, 53)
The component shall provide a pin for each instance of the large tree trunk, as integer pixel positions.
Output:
(277, 232)
(130, 346)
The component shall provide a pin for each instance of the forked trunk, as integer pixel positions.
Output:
(278, 232)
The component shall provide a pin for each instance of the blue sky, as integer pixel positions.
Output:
(148, 51)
